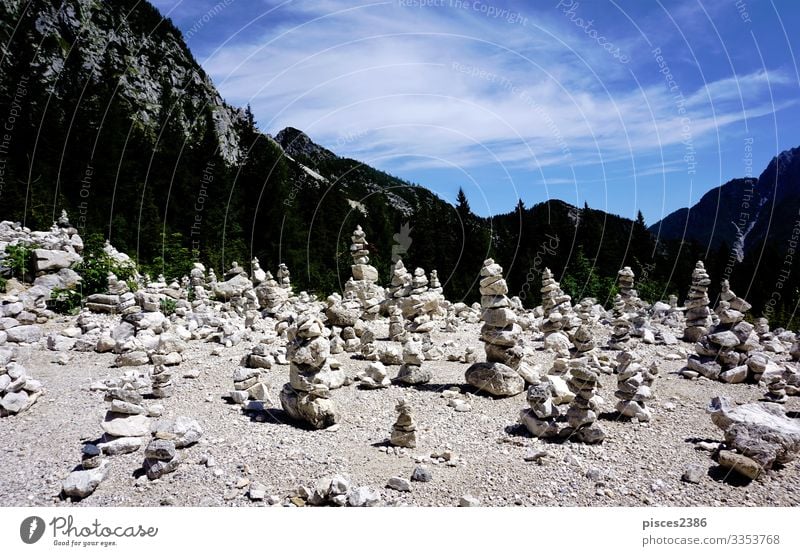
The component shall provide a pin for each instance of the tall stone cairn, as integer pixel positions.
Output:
(363, 286)
(698, 315)
(500, 335)
(307, 396)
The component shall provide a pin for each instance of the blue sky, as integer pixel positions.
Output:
(626, 105)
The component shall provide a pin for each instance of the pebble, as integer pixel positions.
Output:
(421, 474)
(468, 501)
(399, 483)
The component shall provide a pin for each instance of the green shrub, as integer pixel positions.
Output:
(96, 265)
(66, 302)
(168, 306)
(21, 260)
(2, 285)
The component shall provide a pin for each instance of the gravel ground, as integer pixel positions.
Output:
(637, 464)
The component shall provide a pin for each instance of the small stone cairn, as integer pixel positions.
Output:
(404, 429)
(634, 386)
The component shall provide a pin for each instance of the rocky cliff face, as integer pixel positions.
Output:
(744, 214)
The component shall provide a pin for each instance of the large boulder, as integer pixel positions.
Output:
(495, 378)
(52, 261)
(760, 431)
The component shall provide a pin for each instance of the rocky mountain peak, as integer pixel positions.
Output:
(297, 144)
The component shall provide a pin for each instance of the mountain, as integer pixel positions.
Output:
(115, 122)
(745, 215)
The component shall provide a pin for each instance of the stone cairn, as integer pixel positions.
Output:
(585, 347)
(248, 383)
(271, 296)
(161, 378)
(18, 391)
(541, 417)
(126, 421)
(404, 429)
(634, 386)
(397, 331)
(363, 286)
(258, 274)
(500, 335)
(400, 286)
(160, 458)
(284, 280)
(307, 396)
(558, 317)
(581, 415)
(698, 315)
(723, 352)
(434, 284)
(375, 376)
(411, 371)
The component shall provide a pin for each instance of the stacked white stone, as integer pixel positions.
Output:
(401, 281)
(404, 429)
(161, 378)
(698, 315)
(634, 386)
(581, 415)
(500, 335)
(411, 371)
(307, 395)
(248, 384)
(558, 319)
(583, 340)
(621, 331)
(160, 458)
(284, 278)
(363, 285)
(126, 421)
(541, 417)
(258, 274)
(271, 296)
(397, 331)
(723, 352)
(18, 391)
(434, 284)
